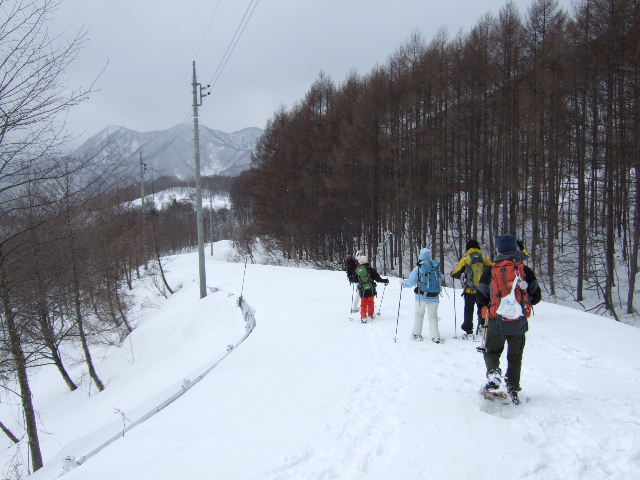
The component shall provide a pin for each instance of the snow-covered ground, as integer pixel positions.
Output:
(164, 198)
(311, 394)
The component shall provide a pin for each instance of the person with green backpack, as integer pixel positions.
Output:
(367, 278)
(469, 270)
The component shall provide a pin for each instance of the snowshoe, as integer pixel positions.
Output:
(437, 340)
(493, 395)
(417, 338)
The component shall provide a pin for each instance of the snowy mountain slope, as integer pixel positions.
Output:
(170, 152)
(165, 197)
(312, 394)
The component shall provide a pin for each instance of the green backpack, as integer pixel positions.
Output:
(363, 278)
(473, 271)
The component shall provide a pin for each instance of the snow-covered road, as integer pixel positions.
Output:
(311, 394)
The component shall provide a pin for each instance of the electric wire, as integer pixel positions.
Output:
(239, 31)
(242, 25)
(184, 78)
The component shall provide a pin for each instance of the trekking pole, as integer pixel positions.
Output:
(395, 339)
(353, 288)
(455, 314)
(381, 299)
(242, 288)
(483, 348)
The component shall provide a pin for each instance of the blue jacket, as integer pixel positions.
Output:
(412, 281)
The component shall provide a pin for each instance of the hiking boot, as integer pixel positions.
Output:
(417, 338)
(495, 379)
(436, 340)
(364, 319)
(514, 397)
(491, 385)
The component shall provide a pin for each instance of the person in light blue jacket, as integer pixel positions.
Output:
(427, 279)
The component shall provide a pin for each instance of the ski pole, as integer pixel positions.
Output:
(353, 287)
(381, 299)
(483, 348)
(242, 288)
(395, 339)
(455, 314)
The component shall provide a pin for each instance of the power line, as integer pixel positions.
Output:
(242, 25)
(175, 94)
(206, 32)
(248, 13)
(184, 78)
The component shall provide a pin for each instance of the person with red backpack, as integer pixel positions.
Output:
(470, 269)
(507, 291)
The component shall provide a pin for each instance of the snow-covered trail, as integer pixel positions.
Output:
(313, 395)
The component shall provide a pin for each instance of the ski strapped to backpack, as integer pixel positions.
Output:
(503, 275)
(429, 278)
(473, 271)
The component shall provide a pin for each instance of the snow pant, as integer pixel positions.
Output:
(356, 298)
(515, 347)
(469, 304)
(432, 313)
(367, 307)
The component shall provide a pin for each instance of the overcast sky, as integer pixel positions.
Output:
(148, 46)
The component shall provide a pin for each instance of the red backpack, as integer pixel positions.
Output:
(502, 276)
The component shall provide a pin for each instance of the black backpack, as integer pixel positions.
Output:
(473, 271)
(349, 265)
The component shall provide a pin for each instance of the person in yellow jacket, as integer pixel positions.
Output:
(469, 270)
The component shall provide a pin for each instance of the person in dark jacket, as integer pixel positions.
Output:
(367, 290)
(350, 265)
(499, 329)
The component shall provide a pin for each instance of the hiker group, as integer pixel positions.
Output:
(501, 292)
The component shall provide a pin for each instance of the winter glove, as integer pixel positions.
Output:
(386, 281)
(520, 245)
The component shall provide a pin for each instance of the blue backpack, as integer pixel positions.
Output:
(429, 278)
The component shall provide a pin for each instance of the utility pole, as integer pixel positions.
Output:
(143, 168)
(211, 221)
(197, 91)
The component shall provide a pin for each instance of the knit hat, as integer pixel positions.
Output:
(362, 260)
(506, 243)
(472, 243)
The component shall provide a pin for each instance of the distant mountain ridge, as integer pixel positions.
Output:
(170, 152)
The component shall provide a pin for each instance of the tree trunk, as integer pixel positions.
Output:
(8, 433)
(49, 341)
(19, 359)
